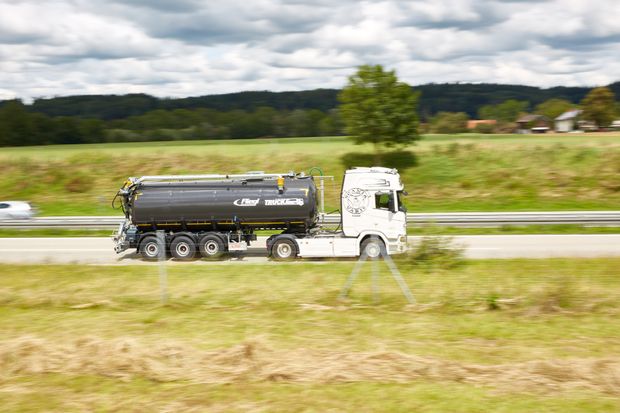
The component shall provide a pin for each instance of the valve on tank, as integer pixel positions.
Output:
(280, 184)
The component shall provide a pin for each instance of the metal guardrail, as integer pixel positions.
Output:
(497, 219)
(456, 219)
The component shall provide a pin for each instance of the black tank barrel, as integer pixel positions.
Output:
(222, 204)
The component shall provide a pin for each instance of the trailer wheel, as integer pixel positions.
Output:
(211, 246)
(150, 248)
(284, 249)
(373, 247)
(183, 248)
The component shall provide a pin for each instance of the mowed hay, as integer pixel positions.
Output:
(256, 361)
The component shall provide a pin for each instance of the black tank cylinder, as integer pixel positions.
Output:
(222, 205)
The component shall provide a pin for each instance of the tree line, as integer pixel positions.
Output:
(20, 126)
(442, 108)
(434, 98)
(599, 107)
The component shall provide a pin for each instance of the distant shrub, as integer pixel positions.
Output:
(508, 127)
(449, 123)
(560, 295)
(77, 184)
(484, 128)
(437, 252)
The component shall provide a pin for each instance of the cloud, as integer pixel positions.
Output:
(197, 47)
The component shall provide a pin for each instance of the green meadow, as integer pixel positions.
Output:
(442, 173)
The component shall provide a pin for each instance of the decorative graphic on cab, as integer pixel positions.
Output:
(356, 200)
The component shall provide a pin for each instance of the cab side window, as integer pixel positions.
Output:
(383, 201)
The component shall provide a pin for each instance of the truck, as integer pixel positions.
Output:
(212, 215)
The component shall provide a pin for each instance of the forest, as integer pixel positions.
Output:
(252, 114)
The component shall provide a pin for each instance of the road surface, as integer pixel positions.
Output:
(100, 250)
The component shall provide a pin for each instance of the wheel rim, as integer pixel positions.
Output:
(211, 247)
(182, 249)
(152, 250)
(284, 250)
(373, 250)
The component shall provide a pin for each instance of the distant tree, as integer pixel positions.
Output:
(484, 128)
(297, 123)
(449, 122)
(331, 124)
(507, 111)
(315, 117)
(553, 108)
(91, 130)
(241, 124)
(376, 108)
(599, 106)
(261, 121)
(16, 125)
(66, 130)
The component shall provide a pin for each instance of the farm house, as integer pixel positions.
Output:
(567, 121)
(533, 123)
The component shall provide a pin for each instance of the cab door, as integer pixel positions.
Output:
(386, 217)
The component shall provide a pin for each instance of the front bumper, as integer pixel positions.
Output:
(125, 237)
(398, 246)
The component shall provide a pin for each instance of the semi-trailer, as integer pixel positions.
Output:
(215, 214)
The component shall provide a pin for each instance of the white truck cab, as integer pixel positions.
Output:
(374, 220)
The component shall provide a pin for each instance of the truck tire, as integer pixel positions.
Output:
(211, 246)
(284, 249)
(373, 247)
(183, 248)
(149, 248)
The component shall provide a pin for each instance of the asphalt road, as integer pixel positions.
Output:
(100, 250)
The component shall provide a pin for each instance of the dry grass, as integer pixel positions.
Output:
(127, 359)
(494, 335)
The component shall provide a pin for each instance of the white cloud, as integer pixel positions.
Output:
(197, 47)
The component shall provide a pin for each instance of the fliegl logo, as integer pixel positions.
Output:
(246, 202)
(356, 200)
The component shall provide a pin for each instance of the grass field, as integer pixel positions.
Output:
(492, 335)
(442, 173)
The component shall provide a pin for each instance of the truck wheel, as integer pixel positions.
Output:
(183, 248)
(284, 249)
(150, 248)
(211, 246)
(373, 248)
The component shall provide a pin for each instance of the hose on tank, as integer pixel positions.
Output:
(317, 168)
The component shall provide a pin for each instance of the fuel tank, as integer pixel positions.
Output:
(224, 205)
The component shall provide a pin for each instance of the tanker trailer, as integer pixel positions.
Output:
(214, 214)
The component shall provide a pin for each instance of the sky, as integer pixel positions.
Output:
(179, 48)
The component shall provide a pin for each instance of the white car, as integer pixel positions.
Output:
(16, 210)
